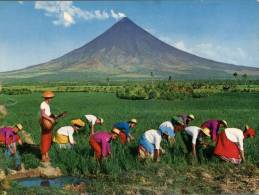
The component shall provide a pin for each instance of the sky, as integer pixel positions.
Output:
(34, 32)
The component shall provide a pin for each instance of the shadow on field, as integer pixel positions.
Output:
(133, 151)
(30, 149)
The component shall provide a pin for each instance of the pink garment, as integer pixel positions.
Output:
(103, 138)
(213, 125)
(8, 134)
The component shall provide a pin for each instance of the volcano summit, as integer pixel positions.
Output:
(126, 50)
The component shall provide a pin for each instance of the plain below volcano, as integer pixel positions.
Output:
(127, 51)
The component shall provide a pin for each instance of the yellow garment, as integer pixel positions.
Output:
(60, 139)
(78, 122)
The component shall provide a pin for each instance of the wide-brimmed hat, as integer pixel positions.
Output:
(101, 120)
(206, 131)
(167, 131)
(78, 122)
(191, 116)
(224, 123)
(133, 120)
(19, 126)
(48, 94)
(178, 120)
(116, 131)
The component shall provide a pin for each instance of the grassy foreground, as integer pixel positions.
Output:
(122, 172)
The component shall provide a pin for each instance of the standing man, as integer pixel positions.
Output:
(46, 132)
(64, 137)
(100, 143)
(9, 136)
(214, 125)
(187, 118)
(93, 120)
(125, 130)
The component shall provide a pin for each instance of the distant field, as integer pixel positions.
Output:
(237, 108)
(203, 87)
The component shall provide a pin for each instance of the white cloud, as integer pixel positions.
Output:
(118, 15)
(257, 1)
(20, 2)
(66, 14)
(150, 30)
(217, 52)
(220, 53)
(66, 19)
(180, 45)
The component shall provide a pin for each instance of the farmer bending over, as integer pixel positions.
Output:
(9, 137)
(213, 125)
(175, 125)
(93, 120)
(64, 137)
(187, 118)
(229, 146)
(100, 143)
(149, 143)
(190, 136)
(125, 129)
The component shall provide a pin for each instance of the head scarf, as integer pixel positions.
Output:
(249, 132)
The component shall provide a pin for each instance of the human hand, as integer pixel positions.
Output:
(53, 120)
(12, 152)
(162, 151)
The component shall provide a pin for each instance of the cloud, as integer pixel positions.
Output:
(118, 15)
(66, 14)
(20, 2)
(180, 45)
(217, 52)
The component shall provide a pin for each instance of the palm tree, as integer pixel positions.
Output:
(152, 77)
(235, 74)
(245, 78)
(108, 81)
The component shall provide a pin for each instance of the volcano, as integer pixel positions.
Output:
(126, 50)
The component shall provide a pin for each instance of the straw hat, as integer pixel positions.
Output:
(19, 126)
(48, 94)
(168, 131)
(178, 120)
(101, 120)
(78, 122)
(191, 116)
(133, 120)
(224, 123)
(116, 131)
(206, 131)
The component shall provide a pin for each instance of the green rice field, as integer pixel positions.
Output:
(122, 173)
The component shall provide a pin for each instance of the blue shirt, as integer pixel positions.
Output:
(123, 126)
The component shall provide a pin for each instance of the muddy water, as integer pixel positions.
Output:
(59, 182)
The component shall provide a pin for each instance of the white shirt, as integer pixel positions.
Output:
(235, 135)
(154, 137)
(167, 124)
(45, 106)
(91, 118)
(67, 131)
(194, 132)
